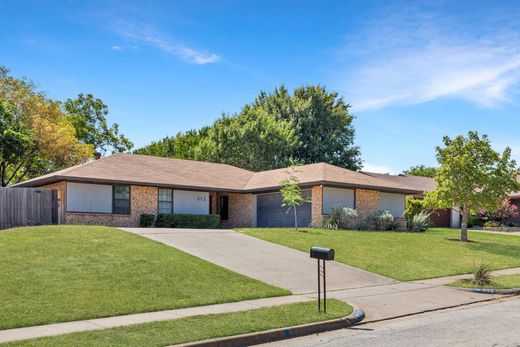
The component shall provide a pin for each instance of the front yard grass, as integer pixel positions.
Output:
(401, 255)
(498, 282)
(62, 273)
(197, 328)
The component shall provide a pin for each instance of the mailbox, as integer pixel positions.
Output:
(322, 253)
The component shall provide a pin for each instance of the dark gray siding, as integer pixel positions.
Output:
(270, 213)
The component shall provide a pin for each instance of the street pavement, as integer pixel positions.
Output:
(490, 324)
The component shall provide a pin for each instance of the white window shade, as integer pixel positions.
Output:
(393, 203)
(189, 202)
(333, 197)
(85, 197)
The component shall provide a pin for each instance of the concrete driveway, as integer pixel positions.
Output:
(268, 262)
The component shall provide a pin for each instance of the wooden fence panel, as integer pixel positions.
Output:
(28, 206)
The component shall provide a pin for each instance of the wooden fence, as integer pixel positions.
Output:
(28, 206)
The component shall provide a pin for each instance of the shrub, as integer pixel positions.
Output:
(414, 207)
(342, 218)
(146, 220)
(376, 220)
(199, 221)
(481, 275)
(419, 222)
(491, 224)
(475, 221)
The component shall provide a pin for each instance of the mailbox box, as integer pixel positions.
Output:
(322, 253)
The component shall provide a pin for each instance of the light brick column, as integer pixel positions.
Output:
(367, 200)
(317, 204)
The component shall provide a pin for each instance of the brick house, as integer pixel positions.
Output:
(117, 189)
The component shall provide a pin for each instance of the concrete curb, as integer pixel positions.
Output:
(514, 291)
(281, 334)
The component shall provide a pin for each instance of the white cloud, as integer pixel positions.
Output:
(378, 168)
(413, 57)
(148, 35)
(117, 48)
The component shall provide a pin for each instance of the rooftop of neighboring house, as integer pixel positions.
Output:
(158, 171)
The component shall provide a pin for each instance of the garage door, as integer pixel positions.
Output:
(270, 213)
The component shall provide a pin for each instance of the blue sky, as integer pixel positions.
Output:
(412, 72)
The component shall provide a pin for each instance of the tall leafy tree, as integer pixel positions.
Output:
(321, 121)
(88, 116)
(36, 137)
(182, 146)
(421, 170)
(471, 176)
(253, 140)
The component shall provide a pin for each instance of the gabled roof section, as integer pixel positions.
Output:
(150, 170)
(422, 184)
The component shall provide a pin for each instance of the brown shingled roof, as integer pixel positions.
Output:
(158, 171)
(149, 170)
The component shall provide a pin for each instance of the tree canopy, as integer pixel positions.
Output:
(39, 135)
(311, 125)
(471, 176)
(421, 170)
(253, 140)
(88, 116)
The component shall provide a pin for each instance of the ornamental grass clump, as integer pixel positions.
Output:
(419, 222)
(481, 275)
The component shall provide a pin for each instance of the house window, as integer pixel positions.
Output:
(165, 200)
(121, 199)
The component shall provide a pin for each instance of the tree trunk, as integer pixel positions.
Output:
(295, 219)
(464, 224)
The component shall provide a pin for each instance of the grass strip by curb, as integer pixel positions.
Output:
(197, 328)
(506, 284)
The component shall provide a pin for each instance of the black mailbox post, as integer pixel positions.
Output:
(322, 254)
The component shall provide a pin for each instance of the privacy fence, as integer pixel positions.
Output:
(28, 206)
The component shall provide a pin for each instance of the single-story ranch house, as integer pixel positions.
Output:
(115, 190)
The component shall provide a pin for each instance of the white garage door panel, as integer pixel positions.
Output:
(337, 197)
(84, 197)
(394, 203)
(190, 202)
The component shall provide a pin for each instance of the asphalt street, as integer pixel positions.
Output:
(490, 324)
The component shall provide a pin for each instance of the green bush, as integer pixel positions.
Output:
(342, 218)
(475, 221)
(414, 207)
(146, 220)
(492, 224)
(419, 222)
(198, 221)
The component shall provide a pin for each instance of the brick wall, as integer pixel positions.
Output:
(367, 200)
(317, 204)
(142, 200)
(240, 211)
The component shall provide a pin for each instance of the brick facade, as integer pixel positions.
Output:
(241, 211)
(367, 200)
(317, 204)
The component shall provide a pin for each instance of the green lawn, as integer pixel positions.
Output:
(197, 328)
(401, 255)
(498, 282)
(63, 273)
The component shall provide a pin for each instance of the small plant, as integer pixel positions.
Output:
(146, 220)
(492, 224)
(481, 275)
(342, 218)
(292, 196)
(419, 222)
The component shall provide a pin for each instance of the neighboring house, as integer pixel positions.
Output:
(117, 189)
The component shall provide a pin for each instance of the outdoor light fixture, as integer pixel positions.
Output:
(322, 254)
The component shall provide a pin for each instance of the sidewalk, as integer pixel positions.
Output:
(379, 302)
(116, 321)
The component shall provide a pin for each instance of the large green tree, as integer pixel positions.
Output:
(88, 115)
(421, 170)
(471, 176)
(253, 140)
(181, 146)
(36, 137)
(321, 121)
